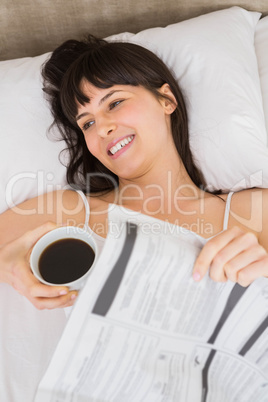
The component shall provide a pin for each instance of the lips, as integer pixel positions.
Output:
(114, 147)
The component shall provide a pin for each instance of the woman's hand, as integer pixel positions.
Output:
(233, 254)
(15, 270)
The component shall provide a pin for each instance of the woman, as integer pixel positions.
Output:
(124, 121)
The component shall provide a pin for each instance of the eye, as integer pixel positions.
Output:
(114, 104)
(87, 125)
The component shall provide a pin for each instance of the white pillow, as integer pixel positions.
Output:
(261, 46)
(213, 58)
(29, 159)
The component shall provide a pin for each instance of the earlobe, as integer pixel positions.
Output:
(170, 107)
(168, 100)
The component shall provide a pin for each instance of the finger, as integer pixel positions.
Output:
(211, 248)
(51, 303)
(70, 303)
(31, 237)
(26, 283)
(41, 290)
(253, 271)
(242, 260)
(240, 244)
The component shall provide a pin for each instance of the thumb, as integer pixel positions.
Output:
(31, 236)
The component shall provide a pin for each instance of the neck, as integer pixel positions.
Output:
(158, 190)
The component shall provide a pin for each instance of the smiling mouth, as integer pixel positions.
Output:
(121, 144)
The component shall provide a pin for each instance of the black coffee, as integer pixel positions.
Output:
(65, 260)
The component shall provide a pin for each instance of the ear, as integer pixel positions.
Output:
(168, 101)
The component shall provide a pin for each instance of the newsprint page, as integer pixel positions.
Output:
(143, 331)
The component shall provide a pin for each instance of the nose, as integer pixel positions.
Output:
(105, 126)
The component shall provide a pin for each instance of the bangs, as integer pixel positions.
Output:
(111, 64)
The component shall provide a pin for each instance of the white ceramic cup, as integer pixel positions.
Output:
(65, 232)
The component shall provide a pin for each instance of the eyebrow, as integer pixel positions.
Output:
(107, 96)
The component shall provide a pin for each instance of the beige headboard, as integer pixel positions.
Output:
(33, 27)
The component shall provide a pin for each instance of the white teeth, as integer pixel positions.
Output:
(121, 144)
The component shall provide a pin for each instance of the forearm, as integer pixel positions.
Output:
(60, 207)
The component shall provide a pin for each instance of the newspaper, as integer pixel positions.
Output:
(143, 330)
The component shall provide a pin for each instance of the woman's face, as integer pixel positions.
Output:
(126, 127)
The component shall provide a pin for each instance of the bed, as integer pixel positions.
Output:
(217, 51)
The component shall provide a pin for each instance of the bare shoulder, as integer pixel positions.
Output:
(249, 210)
(73, 207)
(70, 207)
(98, 220)
(100, 202)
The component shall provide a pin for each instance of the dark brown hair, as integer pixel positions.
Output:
(105, 64)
